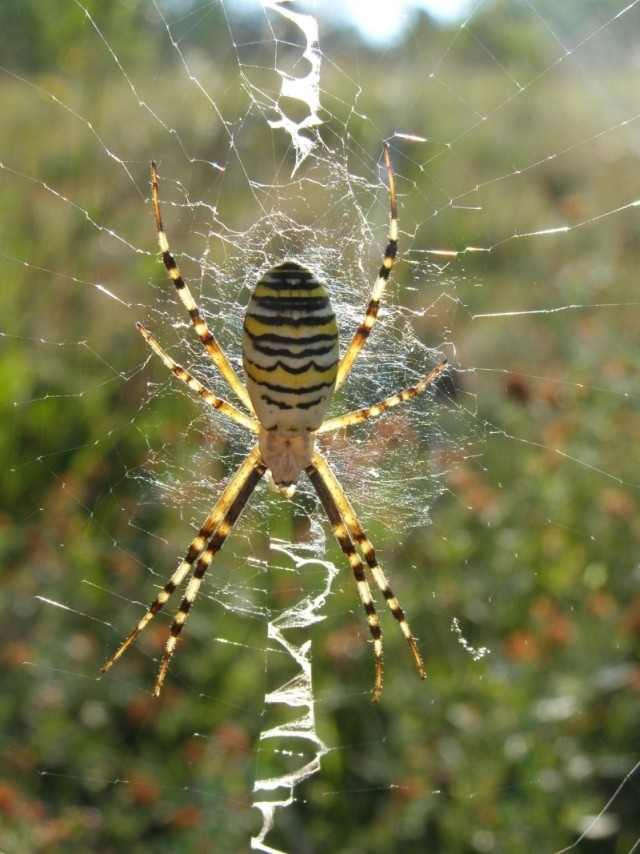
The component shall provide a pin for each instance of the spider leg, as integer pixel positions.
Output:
(330, 504)
(360, 415)
(348, 529)
(362, 332)
(208, 396)
(201, 552)
(206, 336)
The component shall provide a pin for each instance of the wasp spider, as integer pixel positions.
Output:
(293, 367)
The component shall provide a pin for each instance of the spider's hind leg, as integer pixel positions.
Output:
(199, 557)
(348, 529)
(346, 544)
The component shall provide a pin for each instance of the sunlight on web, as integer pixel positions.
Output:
(296, 693)
(293, 222)
(475, 653)
(304, 88)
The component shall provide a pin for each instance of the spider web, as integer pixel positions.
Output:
(503, 506)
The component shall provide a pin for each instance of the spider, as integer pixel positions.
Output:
(293, 368)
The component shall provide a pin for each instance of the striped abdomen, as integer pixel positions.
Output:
(290, 350)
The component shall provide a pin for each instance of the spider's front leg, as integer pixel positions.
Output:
(207, 337)
(364, 330)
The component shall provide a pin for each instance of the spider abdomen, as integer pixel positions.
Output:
(290, 350)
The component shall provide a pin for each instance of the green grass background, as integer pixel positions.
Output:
(533, 545)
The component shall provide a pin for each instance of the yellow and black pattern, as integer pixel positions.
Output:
(290, 350)
(292, 365)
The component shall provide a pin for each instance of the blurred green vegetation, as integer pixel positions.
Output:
(533, 545)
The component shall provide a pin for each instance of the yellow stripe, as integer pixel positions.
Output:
(264, 289)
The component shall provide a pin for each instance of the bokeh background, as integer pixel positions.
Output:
(528, 179)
